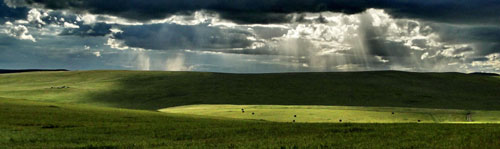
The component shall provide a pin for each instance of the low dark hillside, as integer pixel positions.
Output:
(27, 70)
(156, 90)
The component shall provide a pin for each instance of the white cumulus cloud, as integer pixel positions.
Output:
(70, 25)
(18, 31)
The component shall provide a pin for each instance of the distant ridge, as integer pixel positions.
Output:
(27, 70)
(484, 74)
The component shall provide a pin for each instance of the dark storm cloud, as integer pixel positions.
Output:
(488, 48)
(458, 34)
(275, 11)
(242, 11)
(486, 39)
(173, 36)
(380, 47)
(9, 14)
(451, 11)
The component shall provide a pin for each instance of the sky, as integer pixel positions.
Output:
(251, 36)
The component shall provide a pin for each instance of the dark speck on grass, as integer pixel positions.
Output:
(392, 112)
(294, 115)
(50, 126)
(412, 101)
(293, 121)
(52, 106)
(340, 120)
(418, 121)
(253, 113)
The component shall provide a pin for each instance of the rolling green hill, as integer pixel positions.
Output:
(99, 109)
(156, 90)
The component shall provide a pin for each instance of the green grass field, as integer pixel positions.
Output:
(29, 124)
(332, 114)
(156, 90)
(120, 109)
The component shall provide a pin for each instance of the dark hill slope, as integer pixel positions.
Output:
(155, 90)
(27, 70)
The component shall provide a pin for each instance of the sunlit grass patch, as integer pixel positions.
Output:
(352, 114)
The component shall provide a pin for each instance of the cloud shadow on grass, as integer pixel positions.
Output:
(156, 90)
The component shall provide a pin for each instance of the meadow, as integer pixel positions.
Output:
(30, 124)
(157, 90)
(338, 114)
(97, 109)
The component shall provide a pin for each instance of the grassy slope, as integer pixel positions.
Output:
(62, 119)
(155, 90)
(29, 124)
(308, 114)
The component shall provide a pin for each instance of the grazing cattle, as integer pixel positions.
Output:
(60, 87)
(294, 115)
(340, 120)
(253, 113)
(419, 121)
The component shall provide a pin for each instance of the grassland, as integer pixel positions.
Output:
(156, 90)
(332, 114)
(119, 109)
(30, 124)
